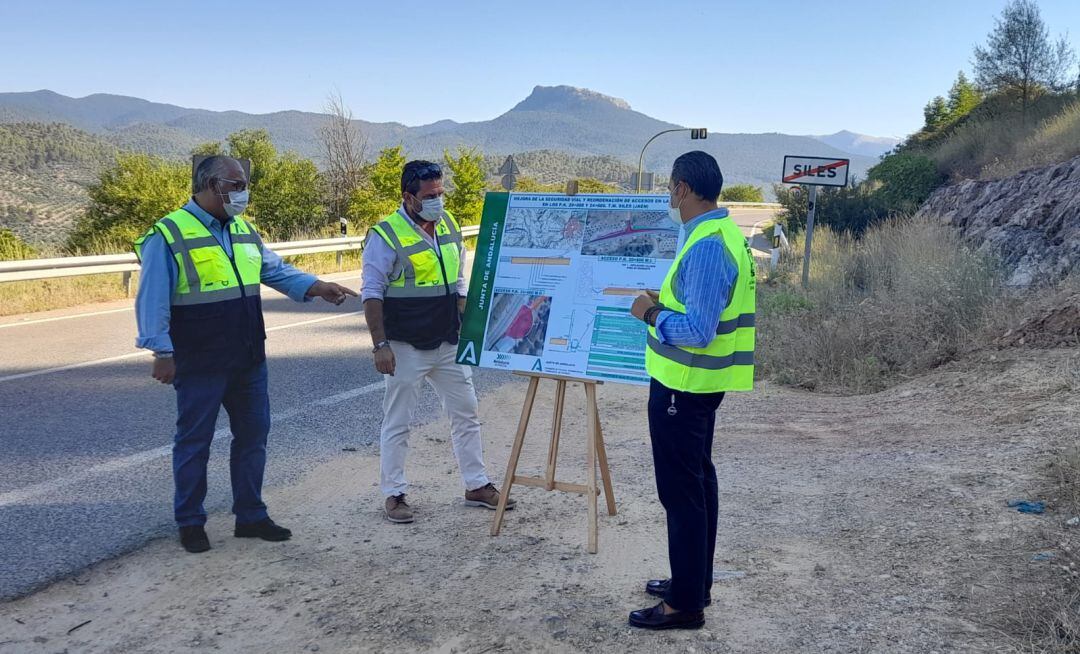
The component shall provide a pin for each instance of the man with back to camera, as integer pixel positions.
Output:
(199, 309)
(414, 292)
(700, 345)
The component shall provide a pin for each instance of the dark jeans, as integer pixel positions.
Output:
(199, 397)
(686, 484)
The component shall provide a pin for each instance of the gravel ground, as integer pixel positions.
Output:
(848, 524)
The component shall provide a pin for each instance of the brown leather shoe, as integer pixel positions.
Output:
(487, 497)
(397, 510)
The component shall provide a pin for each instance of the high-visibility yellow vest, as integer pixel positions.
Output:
(424, 272)
(206, 273)
(727, 362)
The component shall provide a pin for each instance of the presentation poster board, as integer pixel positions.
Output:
(553, 279)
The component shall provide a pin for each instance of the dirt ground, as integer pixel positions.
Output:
(848, 524)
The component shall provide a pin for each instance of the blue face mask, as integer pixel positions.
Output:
(238, 202)
(431, 209)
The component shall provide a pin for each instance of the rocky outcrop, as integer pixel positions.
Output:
(1031, 220)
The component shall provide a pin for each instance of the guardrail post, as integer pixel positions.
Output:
(127, 284)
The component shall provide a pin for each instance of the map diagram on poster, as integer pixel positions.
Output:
(553, 279)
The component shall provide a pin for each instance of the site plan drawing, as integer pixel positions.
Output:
(553, 279)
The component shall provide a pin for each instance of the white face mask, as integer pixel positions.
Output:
(675, 214)
(238, 202)
(432, 209)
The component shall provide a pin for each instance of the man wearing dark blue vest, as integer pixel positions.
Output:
(199, 310)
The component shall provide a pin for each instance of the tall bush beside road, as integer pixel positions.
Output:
(904, 298)
(126, 201)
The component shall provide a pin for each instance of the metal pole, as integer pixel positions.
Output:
(809, 236)
(641, 159)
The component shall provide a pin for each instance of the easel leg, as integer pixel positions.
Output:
(515, 454)
(556, 428)
(590, 459)
(601, 453)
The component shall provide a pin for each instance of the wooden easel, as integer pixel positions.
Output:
(594, 450)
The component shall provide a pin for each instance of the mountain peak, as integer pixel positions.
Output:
(557, 98)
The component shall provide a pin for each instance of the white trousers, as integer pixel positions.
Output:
(453, 384)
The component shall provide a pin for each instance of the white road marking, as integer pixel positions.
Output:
(25, 323)
(146, 353)
(336, 316)
(73, 366)
(38, 321)
(26, 493)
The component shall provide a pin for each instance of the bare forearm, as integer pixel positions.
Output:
(373, 314)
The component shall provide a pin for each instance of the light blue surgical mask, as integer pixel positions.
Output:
(238, 202)
(431, 209)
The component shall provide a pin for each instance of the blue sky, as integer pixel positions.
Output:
(732, 66)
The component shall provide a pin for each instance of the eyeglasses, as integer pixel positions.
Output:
(238, 184)
(423, 173)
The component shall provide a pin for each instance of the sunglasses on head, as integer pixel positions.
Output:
(424, 173)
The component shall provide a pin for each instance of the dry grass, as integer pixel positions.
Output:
(1048, 621)
(1001, 142)
(905, 298)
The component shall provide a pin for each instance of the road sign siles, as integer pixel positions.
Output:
(815, 171)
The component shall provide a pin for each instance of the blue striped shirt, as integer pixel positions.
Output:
(703, 284)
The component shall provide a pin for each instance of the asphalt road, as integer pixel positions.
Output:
(85, 433)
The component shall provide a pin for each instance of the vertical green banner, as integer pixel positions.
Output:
(482, 280)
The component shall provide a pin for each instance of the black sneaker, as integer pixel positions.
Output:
(194, 539)
(264, 529)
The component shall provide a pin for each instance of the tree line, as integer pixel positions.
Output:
(290, 196)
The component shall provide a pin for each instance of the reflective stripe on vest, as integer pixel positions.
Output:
(727, 362)
(422, 268)
(205, 271)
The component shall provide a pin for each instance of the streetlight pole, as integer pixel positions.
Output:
(695, 133)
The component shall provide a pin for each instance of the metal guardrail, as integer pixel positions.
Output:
(29, 269)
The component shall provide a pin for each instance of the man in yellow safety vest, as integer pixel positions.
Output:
(199, 310)
(414, 291)
(700, 346)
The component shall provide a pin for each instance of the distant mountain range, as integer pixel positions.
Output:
(576, 121)
(861, 144)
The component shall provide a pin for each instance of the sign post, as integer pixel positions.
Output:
(509, 172)
(813, 172)
(811, 207)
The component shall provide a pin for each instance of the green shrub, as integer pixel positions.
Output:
(742, 193)
(902, 182)
(12, 248)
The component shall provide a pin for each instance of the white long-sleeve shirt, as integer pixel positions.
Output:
(381, 263)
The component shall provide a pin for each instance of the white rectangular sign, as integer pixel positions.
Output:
(553, 280)
(815, 171)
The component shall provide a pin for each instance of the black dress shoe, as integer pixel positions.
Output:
(655, 619)
(264, 529)
(660, 587)
(194, 539)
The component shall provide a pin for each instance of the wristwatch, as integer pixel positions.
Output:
(380, 345)
(163, 355)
